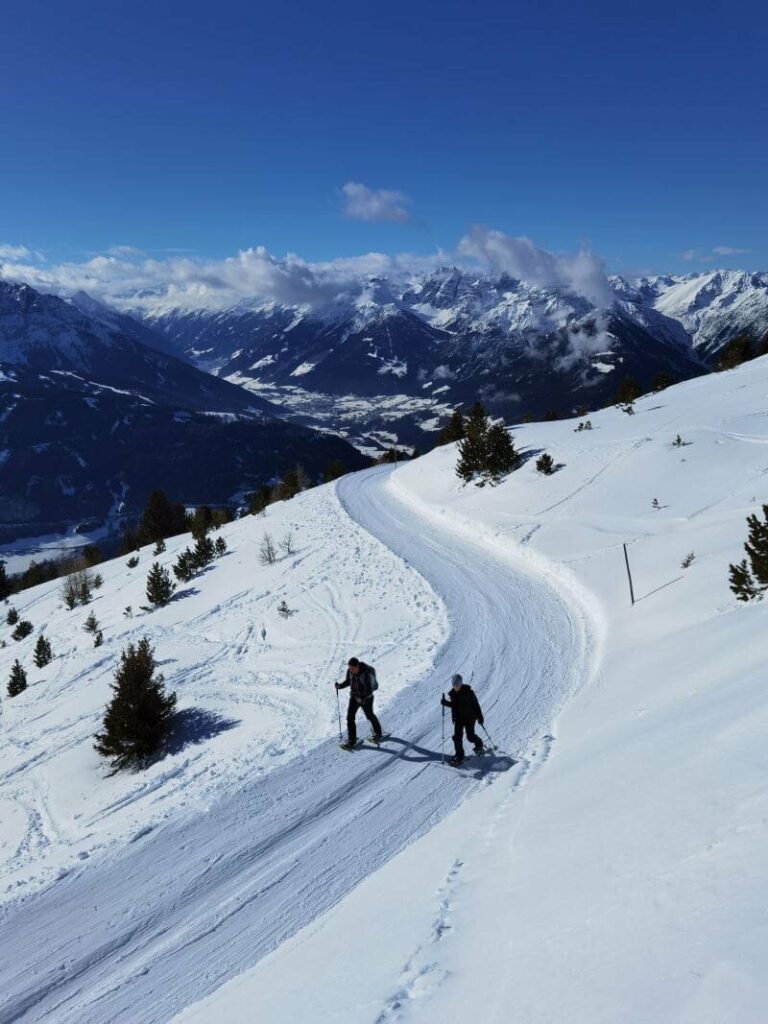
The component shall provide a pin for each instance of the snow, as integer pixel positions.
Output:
(606, 864)
(624, 879)
(303, 368)
(255, 703)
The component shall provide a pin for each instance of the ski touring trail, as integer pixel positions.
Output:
(167, 919)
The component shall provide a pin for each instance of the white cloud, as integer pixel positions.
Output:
(709, 256)
(580, 272)
(14, 253)
(373, 204)
(129, 279)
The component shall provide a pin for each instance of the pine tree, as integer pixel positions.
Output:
(220, 546)
(501, 457)
(662, 381)
(204, 553)
(737, 351)
(453, 430)
(91, 624)
(333, 471)
(184, 569)
(98, 640)
(757, 547)
(628, 391)
(18, 680)
(545, 464)
(132, 562)
(139, 715)
(12, 617)
(159, 547)
(5, 583)
(742, 583)
(43, 655)
(161, 518)
(473, 448)
(23, 628)
(160, 586)
(259, 500)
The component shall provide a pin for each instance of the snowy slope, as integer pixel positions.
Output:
(266, 857)
(249, 704)
(626, 881)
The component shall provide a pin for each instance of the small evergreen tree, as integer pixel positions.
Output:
(220, 546)
(204, 553)
(687, 562)
(742, 583)
(501, 456)
(453, 430)
(132, 562)
(678, 442)
(473, 447)
(98, 581)
(5, 583)
(628, 391)
(139, 715)
(160, 586)
(161, 518)
(23, 628)
(267, 553)
(551, 415)
(43, 655)
(259, 500)
(98, 639)
(18, 680)
(757, 547)
(662, 381)
(91, 624)
(184, 568)
(12, 617)
(284, 610)
(159, 547)
(737, 351)
(333, 471)
(202, 522)
(545, 464)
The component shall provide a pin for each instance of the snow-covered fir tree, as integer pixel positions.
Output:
(18, 680)
(139, 715)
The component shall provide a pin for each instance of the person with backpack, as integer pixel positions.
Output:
(361, 681)
(465, 712)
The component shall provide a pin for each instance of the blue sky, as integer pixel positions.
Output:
(639, 129)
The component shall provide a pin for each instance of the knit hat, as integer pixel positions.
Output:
(456, 680)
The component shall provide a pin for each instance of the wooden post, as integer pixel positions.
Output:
(629, 575)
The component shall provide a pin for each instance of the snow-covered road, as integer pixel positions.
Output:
(161, 923)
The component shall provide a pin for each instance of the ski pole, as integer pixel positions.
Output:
(442, 741)
(493, 745)
(338, 709)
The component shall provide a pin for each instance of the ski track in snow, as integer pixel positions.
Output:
(162, 922)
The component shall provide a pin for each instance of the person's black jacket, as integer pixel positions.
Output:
(362, 683)
(464, 705)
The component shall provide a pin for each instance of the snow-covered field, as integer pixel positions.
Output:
(627, 882)
(607, 865)
(247, 704)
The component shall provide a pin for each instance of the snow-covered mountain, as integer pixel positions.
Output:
(410, 349)
(92, 418)
(605, 864)
(714, 306)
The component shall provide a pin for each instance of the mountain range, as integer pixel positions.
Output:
(386, 363)
(92, 418)
(100, 405)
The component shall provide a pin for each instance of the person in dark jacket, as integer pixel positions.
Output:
(360, 680)
(465, 711)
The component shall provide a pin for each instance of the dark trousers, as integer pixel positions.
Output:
(474, 739)
(367, 709)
